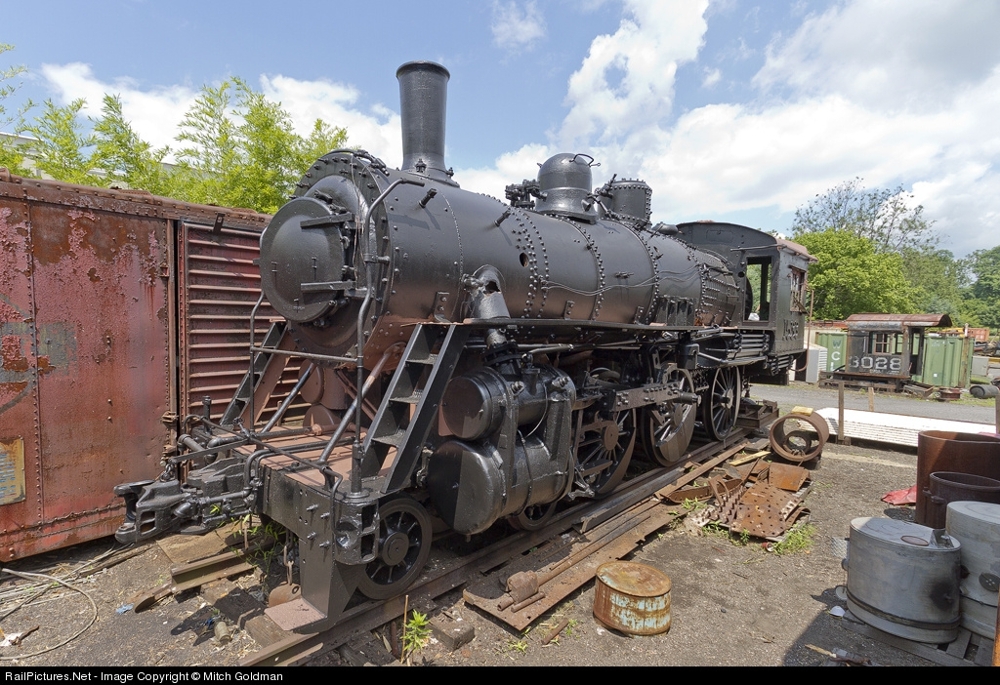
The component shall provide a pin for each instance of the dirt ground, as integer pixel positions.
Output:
(733, 603)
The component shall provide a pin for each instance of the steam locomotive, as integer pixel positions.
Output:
(468, 360)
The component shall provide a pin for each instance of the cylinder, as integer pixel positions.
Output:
(423, 95)
(949, 486)
(902, 578)
(976, 525)
(633, 598)
(471, 487)
(974, 453)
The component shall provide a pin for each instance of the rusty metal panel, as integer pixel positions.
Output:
(220, 285)
(84, 320)
(867, 320)
(18, 377)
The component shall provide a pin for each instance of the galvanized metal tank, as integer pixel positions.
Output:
(902, 578)
(976, 525)
(633, 598)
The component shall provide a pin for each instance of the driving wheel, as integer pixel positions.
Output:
(604, 451)
(667, 428)
(721, 404)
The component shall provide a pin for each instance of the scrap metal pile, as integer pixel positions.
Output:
(759, 498)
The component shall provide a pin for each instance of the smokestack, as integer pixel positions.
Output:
(423, 95)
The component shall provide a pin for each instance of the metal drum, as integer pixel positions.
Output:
(633, 598)
(977, 526)
(949, 486)
(902, 578)
(974, 453)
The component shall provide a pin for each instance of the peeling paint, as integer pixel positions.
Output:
(11, 354)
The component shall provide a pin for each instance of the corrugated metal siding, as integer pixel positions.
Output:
(220, 285)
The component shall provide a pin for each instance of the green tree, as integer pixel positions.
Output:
(211, 155)
(11, 156)
(851, 276)
(881, 215)
(242, 150)
(937, 280)
(123, 155)
(239, 149)
(322, 139)
(983, 296)
(61, 149)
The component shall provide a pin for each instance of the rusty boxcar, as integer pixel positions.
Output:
(119, 313)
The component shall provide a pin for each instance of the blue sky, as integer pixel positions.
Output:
(732, 110)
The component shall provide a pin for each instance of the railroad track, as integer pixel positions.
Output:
(368, 615)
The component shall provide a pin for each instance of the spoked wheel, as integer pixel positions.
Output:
(403, 547)
(720, 406)
(604, 450)
(667, 428)
(533, 517)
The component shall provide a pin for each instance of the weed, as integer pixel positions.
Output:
(573, 623)
(520, 646)
(693, 505)
(714, 529)
(417, 633)
(269, 534)
(798, 539)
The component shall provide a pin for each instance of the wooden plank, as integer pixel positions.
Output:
(611, 540)
(925, 651)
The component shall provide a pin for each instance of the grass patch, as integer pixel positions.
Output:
(714, 529)
(798, 539)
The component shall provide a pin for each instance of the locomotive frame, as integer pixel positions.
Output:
(467, 361)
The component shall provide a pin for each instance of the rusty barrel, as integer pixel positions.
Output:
(633, 598)
(949, 486)
(974, 453)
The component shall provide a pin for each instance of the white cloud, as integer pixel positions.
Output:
(154, 113)
(889, 54)
(516, 27)
(712, 77)
(863, 89)
(511, 167)
(377, 130)
(627, 78)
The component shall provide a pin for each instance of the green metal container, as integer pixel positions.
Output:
(947, 361)
(835, 343)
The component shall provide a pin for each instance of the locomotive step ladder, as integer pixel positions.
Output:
(261, 376)
(410, 403)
